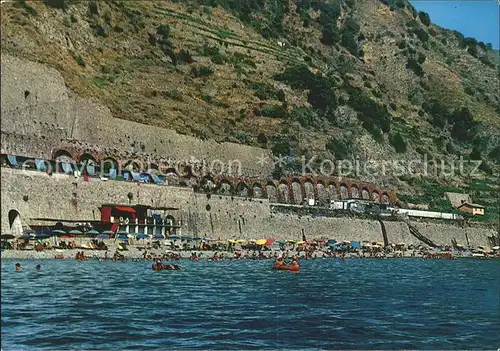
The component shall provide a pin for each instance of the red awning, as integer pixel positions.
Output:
(125, 209)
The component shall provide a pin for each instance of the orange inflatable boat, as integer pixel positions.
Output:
(286, 268)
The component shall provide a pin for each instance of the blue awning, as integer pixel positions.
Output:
(40, 165)
(12, 160)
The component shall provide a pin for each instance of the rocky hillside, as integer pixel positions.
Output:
(337, 79)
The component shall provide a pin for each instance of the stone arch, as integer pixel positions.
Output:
(132, 165)
(354, 191)
(297, 191)
(385, 198)
(272, 192)
(322, 192)
(86, 157)
(62, 155)
(107, 164)
(207, 183)
(225, 187)
(257, 190)
(284, 191)
(332, 191)
(87, 163)
(365, 194)
(171, 176)
(309, 190)
(343, 191)
(242, 189)
(153, 167)
(375, 196)
(15, 223)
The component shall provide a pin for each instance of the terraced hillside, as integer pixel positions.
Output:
(335, 79)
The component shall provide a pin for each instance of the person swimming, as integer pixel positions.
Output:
(38, 267)
(18, 267)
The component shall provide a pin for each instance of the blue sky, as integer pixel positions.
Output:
(473, 18)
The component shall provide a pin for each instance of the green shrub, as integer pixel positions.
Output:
(273, 111)
(201, 71)
(397, 142)
(415, 67)
(424, 18)
(375, 117)
(305, 116)
(80, 61)
(57, 4)
(330, 35)
(340, 148)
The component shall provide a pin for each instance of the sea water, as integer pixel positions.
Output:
(350, 304)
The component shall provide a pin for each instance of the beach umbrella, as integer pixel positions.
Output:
(270, 241)
(42, 236)
(27, 237)
(197, 239)
(142, 236)
(93, 232)
(58, 232)
(102, 236)
(29, 231)
(159, 236)
(108, 232)
(121, 238)
(76, 232)
(174, 237)
(261, 242)
(7, 236)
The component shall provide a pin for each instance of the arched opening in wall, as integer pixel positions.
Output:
(385, 198)
(309, 188)
(172, 177)
(242, 190)
(298, 196)
(153, 168)
(332, 191)
(207, 183)
(88, 163)
(284, 192)
(365, 194)
(132, 166)
(322, 192)
(109, 167)
(225, 187)
(272, 192)
(344, 193)
(15, 223)
(375, 196)
(64, 161)
(354, 192)
(257, 191)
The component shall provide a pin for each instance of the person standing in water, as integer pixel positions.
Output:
(38, 267)
(18, 267)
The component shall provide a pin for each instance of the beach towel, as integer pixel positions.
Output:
(91, 169)
(112, 173)
(67, 167)
(12, 160)
(40, 165)
(156, 179)
(136, 176)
